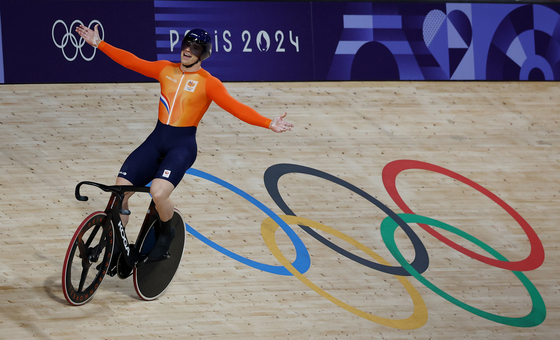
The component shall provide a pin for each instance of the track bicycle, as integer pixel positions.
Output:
(101, 246)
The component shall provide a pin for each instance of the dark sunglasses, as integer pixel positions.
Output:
(195, 48)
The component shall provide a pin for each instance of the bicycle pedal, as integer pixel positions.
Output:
(112, 272)
(113, 266)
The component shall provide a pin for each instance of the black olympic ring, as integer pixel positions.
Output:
(272, 176)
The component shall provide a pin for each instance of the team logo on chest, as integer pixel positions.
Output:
(191, 85)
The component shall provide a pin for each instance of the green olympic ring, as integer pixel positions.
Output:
(534, 318)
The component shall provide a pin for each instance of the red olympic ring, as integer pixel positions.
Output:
(533, 261)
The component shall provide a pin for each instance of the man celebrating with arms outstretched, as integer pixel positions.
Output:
(187, 90)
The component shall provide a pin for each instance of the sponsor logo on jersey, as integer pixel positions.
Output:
(191, 85)
(173, 80)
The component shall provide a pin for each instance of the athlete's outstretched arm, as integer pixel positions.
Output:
(150, 69)
(217, 92)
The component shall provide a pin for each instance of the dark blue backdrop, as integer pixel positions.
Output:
(31, 31)
(287, 41)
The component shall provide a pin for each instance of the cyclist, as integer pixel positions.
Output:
(187, 91)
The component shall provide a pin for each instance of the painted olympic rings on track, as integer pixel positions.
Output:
(419, 315)
(302, 261)
(388, 226)
(272, 176)
(534, 318)
(533, 261)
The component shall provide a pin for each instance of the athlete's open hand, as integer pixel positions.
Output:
(278, 124)
(89, 35)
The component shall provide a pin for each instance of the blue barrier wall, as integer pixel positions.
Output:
(287, 41)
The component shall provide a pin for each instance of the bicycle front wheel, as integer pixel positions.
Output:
(87, 259)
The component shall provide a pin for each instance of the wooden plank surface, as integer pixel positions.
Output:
(503, 136)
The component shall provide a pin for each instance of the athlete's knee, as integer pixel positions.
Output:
(161, 190)
(158, 195)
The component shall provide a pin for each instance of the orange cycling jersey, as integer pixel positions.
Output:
(185, 96)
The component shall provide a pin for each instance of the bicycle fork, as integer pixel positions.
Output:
(131, 256)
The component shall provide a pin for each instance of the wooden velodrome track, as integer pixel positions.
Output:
(504, 137)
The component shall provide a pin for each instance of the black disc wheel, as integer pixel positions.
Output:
(151, 279)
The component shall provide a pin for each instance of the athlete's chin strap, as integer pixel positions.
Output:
(191, 65)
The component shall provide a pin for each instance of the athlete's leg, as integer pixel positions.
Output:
(161, 190)
(140, 167)
(179, 156)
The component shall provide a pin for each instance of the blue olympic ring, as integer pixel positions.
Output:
(302, 261)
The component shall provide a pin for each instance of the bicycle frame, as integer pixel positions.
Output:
(114, 209)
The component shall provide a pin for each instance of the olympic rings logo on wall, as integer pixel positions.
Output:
(419, 265)
(69, 37)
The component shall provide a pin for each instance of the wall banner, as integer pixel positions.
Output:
(253, 41)
(286, 41)
(437, 41)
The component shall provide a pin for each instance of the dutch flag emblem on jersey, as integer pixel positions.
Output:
(165, 103)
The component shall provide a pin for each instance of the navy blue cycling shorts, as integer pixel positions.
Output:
(167, 153)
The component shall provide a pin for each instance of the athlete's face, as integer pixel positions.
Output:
(191, 52)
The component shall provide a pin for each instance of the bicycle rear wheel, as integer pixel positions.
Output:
(152, 279)
(91, 246)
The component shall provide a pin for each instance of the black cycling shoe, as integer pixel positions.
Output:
(163, 242)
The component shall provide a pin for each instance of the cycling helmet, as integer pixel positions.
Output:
(200, 37)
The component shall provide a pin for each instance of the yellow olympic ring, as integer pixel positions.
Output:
(419, 316)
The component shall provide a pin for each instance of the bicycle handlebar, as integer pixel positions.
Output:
(118, 190)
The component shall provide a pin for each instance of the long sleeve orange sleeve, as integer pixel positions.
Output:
(150, 69)
(217, 92)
